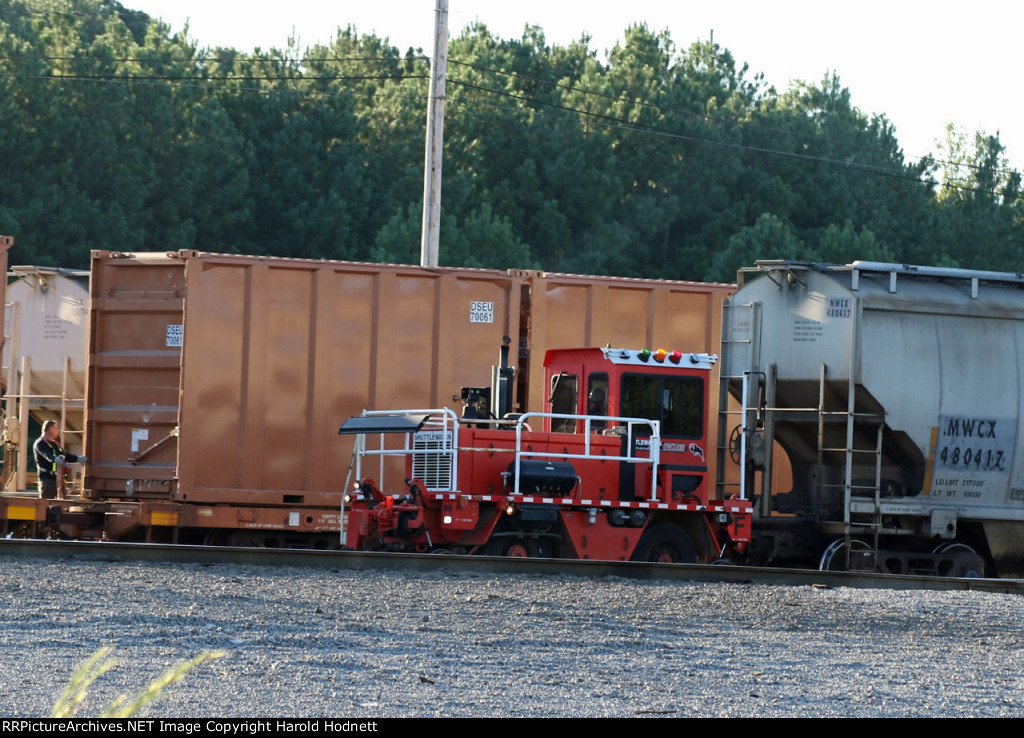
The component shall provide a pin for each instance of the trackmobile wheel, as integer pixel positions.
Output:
(665, 544)
(518, 547)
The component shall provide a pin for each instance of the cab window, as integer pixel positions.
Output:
(678, 402)
(597, 399)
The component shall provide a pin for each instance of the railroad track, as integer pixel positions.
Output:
(164, 553)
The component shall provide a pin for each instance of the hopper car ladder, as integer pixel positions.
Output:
(861, 510)
(859, 443)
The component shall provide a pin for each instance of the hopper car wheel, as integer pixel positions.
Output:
(971, 572)
(952, 546)
(665, 544)
(834, 558)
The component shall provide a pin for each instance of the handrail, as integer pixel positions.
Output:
(446, 420)
(448, 423)
(630, 423)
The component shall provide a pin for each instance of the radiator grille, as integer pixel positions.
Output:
(432, 459)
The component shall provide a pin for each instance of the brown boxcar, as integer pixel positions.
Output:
(222, 378)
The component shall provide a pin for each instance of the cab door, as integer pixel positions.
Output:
(564, 397)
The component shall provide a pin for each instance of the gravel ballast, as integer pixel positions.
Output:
(315, 643)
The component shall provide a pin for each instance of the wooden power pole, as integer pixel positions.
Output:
(435, 140)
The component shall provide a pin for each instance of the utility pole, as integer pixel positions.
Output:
(435, 140)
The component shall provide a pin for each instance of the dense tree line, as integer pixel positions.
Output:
(116, 133)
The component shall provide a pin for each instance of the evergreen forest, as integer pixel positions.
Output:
(658, 160)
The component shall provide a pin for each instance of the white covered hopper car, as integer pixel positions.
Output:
(896, 392)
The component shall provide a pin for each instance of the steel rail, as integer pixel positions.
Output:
(210, 555)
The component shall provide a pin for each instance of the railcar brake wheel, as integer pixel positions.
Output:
(734, 444)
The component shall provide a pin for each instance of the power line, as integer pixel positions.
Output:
(726, 58)
(673, 134)
(609, 121)
(714, 119)
(79, 13)
(307, 60)
(222, 59)
(663, 108)
(199, 85)
(170, 78)
(606, 120)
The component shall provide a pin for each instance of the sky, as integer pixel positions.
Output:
(922, 65)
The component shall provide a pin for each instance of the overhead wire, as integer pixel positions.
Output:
(664, 108)
(208, 79)
(200, 59)
(478, 67)
(627, 125)
(611, 121)
(926, 160)
(202, 84)
(222, 59)
(727, 58)
(607, 121)
(711, 118)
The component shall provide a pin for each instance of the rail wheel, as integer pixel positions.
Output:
(665, 544)
(252, 539)
(213, 537)
(517, 547)
(834, 558)
(958, 560)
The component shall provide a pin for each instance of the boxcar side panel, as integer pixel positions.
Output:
(279, 352)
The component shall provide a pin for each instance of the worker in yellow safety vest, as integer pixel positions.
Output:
(51, 460)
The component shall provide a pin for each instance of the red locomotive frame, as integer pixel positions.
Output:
(618, 471)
